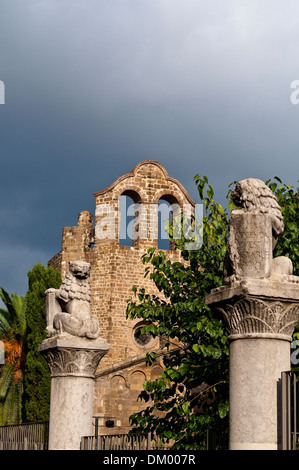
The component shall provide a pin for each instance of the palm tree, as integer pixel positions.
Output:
(13, 337)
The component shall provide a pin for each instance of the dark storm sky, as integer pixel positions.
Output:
(92, 87)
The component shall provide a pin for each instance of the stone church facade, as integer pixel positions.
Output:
(115, 268)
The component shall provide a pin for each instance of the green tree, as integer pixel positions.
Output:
(192, 394)
(288, 242)
(13, 334)
(37, 375)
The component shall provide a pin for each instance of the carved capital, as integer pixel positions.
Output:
(253, 316)
(77, 362)
(73, 358)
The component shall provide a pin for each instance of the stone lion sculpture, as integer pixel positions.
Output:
(253, 195)
(68, 308)
(254, 230)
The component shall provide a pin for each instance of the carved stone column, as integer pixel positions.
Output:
(73, 351)
(72, 363)
(261, 327)
(259, 302)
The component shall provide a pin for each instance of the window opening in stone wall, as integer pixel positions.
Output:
(167, 210)
(127, 210)
(92, 238)
(143, 339)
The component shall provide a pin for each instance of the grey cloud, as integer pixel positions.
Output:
(92, 88)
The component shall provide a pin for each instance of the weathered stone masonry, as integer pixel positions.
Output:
(114, 270)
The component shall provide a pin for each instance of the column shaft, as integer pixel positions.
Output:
(255, 390)
(73, 363)
(70, 411)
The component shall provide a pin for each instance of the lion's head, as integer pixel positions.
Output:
(79, 269)
(253, 195)
(75, 284)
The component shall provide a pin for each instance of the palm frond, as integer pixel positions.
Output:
(5, 326)
(6, 299)
(8, 407)
(10, 397)
(22, 315)
(13, 317)
(6, 380)
(12, 405)
(7, 320)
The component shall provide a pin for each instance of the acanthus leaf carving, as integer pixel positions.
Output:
(72, 361)
(252, 315)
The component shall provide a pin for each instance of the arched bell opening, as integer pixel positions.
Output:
(129, 203)
(168, 212)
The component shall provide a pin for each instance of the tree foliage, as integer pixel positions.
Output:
(192, 394)
(183, 402)
(37, 375)
(288, 242)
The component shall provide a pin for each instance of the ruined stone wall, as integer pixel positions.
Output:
(114, 270)
(117, 393)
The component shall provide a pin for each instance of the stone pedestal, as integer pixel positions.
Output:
(73, 362)
(261, 315)
(260, 303)
(251, 245)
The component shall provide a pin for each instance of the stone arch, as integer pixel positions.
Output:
(118, 382)
(134, 191)
(149, 177)
(171, 197)
(133, 194)
(146, 167)
(137, 380)
(146, 184)
(128, 204)
(169, 209)
(156, 372)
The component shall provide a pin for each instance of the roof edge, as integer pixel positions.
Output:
(134, 171)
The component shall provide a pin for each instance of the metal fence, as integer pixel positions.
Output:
(214, 441)
(217, 439)
(28, 436)
(116, 442)
(122, 442)
(290, 410)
